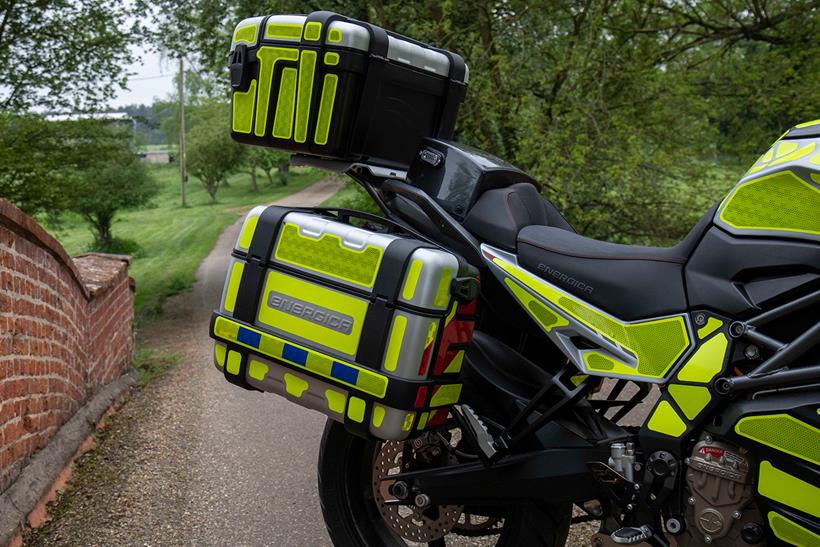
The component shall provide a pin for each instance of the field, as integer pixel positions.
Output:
(170, 241)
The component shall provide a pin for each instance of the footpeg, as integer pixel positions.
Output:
(477, 430)
(631, 535)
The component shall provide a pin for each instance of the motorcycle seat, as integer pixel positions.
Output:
(629, 281)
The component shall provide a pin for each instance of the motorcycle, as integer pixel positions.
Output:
(671, 395)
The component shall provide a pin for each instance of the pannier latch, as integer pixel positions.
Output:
(464, 289)
(239, 63)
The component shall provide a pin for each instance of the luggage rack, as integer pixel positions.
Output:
(380, 182)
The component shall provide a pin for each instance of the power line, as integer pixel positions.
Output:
(150, 77)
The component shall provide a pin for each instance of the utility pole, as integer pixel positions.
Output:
(183, 172)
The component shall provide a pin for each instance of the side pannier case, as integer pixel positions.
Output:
(329, 86)
(362, 326)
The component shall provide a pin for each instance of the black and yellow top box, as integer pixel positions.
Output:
(333, 87)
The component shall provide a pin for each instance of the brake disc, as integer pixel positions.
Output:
(408, 521)
(477, 525)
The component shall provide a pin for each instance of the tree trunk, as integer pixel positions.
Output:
(211, 187)
(284, 172)
(270, 177)
(101, 225)
(254, 186)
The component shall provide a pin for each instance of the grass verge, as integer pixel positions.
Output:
(169, 242)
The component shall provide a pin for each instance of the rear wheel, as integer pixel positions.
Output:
(356, 515)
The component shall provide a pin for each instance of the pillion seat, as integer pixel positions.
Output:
(629, 281)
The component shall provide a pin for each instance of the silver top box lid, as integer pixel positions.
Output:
(340, 34)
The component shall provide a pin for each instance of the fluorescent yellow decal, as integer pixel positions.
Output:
(257, 369)
(245, 34)
(233, 285)
(391, 358)
(268, 57)
(690, 399)
(455, 364)
(312, 312)
(355, 409)
(328, 256)
(285, 105)
(711, 326)
(263, 343)
(294, 385)
(288, 31)
(781, 152)
(666, 421)
(307, 65)
(334, 35)
(234, 362)
(422, 420)
(443, 291)
(335, 401)
(545, 317)
(313, 31)
(807, 124)
(378, 415)
(788, 490)
(332, 59)
(219, 354)
(781, 202)
(446, 394)
(326, 108)
(408, 421)
(783, 432)
(657, 344)
(706, 362)
(243, 103)
(412, 280)
(791, 532)
(248, 230)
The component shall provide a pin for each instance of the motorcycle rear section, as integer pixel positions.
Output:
(669, 393)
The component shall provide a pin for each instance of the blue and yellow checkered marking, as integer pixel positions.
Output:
(318, 363)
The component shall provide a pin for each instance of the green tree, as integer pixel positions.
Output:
(112, 179)
(212, 154)
(622, 109)
(269, 161)
(64, 54)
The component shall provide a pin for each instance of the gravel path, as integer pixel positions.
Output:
(192, 460)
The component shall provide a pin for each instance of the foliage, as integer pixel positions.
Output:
(112, 178)
(173, 240)
(151, 363)
(212, 154)
(353, 196)
(268, 161)
(86, 165)
(619, 108)
(63, 54)
(32, 160)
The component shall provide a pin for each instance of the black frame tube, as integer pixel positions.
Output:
(775, 379)
(780, 311)
(790, 352)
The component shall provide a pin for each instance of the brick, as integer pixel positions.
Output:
(59, 338)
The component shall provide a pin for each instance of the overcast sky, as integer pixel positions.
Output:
(151, 78)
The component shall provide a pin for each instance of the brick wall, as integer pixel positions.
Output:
(65, 330)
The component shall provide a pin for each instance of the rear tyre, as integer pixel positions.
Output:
(353, 519)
